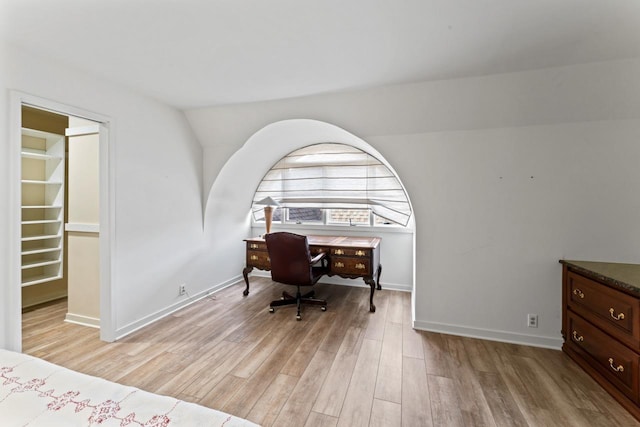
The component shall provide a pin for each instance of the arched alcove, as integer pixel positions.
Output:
(227, 213)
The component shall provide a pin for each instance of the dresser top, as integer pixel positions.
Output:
(622, 276)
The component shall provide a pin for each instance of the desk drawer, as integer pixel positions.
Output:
(615, 361)
(260, 246)
(611, 310)
(258, 259)
(362, 253)
(350, 266)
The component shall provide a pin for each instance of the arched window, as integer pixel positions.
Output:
(333, 183)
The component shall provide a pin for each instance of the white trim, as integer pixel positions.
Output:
(78, 319)
(334, 227)
(82, 130)
(13, 305)
(107, 213)
(82, 228)
(554, 343)
(184, 302)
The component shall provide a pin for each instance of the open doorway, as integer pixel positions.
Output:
(62, 211)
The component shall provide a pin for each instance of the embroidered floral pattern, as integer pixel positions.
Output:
(100, 412)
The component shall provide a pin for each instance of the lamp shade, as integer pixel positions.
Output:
(267, 201)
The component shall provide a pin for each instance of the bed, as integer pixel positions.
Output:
(34, 392)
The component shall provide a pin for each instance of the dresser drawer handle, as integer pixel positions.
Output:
(338, 265)
(253, 246)
(360, 266)
(576, 337)
(618, 368)
(360, 253)
(620, 316)
(254, 257)
(578, 292)
(339, 252)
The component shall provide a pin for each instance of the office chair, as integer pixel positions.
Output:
(291, 264)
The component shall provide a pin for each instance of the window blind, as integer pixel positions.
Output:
(334, 176)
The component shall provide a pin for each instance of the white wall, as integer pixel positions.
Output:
(506, 174)
(158, 185)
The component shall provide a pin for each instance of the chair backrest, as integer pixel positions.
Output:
(290, 258)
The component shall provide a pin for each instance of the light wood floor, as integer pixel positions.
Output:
(342, 367)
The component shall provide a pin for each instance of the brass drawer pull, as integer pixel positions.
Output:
(618, 368)
(620, 316)
(254, 257)
(360, 266)
(339, 252)
(253, 246)
(338, 264)
(578, 292)
(360, 253)
(576, 337)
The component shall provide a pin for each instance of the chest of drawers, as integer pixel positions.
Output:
(601, 325)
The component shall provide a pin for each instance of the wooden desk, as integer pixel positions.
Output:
(349, 257)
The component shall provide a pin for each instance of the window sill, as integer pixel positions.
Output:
(337, 228)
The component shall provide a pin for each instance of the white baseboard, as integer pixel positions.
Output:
(188, 300)
(82, 320)
(554, 343)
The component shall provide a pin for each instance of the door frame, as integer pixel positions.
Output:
(107, 212)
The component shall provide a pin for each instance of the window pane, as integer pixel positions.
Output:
(378, 220)
(349, 216)
(277, 215)
(303, 215)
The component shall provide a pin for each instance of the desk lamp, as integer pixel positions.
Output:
(268, 204)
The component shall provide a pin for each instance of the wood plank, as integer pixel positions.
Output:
(416, 405)
(267, 408)
(356, 410)
(389, 378)
(320, 420)
(385, 414)
(298, 407)
(331, 397)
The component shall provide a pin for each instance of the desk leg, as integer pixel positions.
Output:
(245, 273)
(372, 284)
(378, 276)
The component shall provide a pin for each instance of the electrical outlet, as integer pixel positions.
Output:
(532, 320)
(182, 289)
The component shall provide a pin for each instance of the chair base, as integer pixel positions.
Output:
(298, 300)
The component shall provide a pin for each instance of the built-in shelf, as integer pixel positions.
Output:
(41, 237)
(40, 182)
(43, 278)
(39, 263)
(43, 157)
(42, 250)
(41, 221)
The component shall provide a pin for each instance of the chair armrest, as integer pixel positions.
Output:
(318, 257)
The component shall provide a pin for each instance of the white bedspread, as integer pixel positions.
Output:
(34, 392)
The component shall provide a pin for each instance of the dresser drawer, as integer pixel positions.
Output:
(350, 266)
(609, 309)
(613, 360)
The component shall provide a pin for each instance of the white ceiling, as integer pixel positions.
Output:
(194, 53)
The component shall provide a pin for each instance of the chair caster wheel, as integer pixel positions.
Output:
(323, 308)
(272, 310)
(298, 317)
